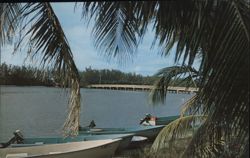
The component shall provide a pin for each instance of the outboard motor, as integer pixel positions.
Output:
(149, 120)
(146, 119)
(92, 124)
(17, 138)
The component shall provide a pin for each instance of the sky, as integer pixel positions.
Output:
(146, 61)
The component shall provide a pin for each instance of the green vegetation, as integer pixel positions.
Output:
(30, 76)
(24, 76)
(92, 76)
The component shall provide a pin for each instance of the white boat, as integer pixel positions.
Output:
(146, 131)
(124, 143)
(82, 149)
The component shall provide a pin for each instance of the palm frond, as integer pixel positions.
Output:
(9, 14)
(171, 75)
(226, 76)
(183, 127)
(218, 32)
(245, 152)
(192, 106)
(47, 39)
(115, 31)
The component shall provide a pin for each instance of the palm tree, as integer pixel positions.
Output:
(216, 31)
(173, 135)
(37, 27)
(174, 75)
(181, 130)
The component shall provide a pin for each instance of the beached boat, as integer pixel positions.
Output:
(19, 139)
(80, 149)
(150, 120)
(124, 143)
(146, 131)
(166, 120)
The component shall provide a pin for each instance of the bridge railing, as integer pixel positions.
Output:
(142, 88)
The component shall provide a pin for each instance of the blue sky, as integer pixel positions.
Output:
(146, 61)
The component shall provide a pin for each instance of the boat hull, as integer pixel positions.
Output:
(154, 121)
(146, 131)
(165, 120)
(88, 149)
(124, 143)
(151, 134)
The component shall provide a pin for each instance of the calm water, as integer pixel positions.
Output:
(41, 111)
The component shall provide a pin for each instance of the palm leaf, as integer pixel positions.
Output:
(217, 31)
(224, 77)
(192, 106)
(9, 13)
(182, 127)
(47, 40)
(115, 29)
(171, 75)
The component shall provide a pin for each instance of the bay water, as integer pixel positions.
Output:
(41, 111)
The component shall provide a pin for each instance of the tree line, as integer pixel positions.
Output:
(27, 75)
(24, 76)
(105, 76)
(30, 76)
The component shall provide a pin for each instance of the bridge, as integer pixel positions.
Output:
(141, 88)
